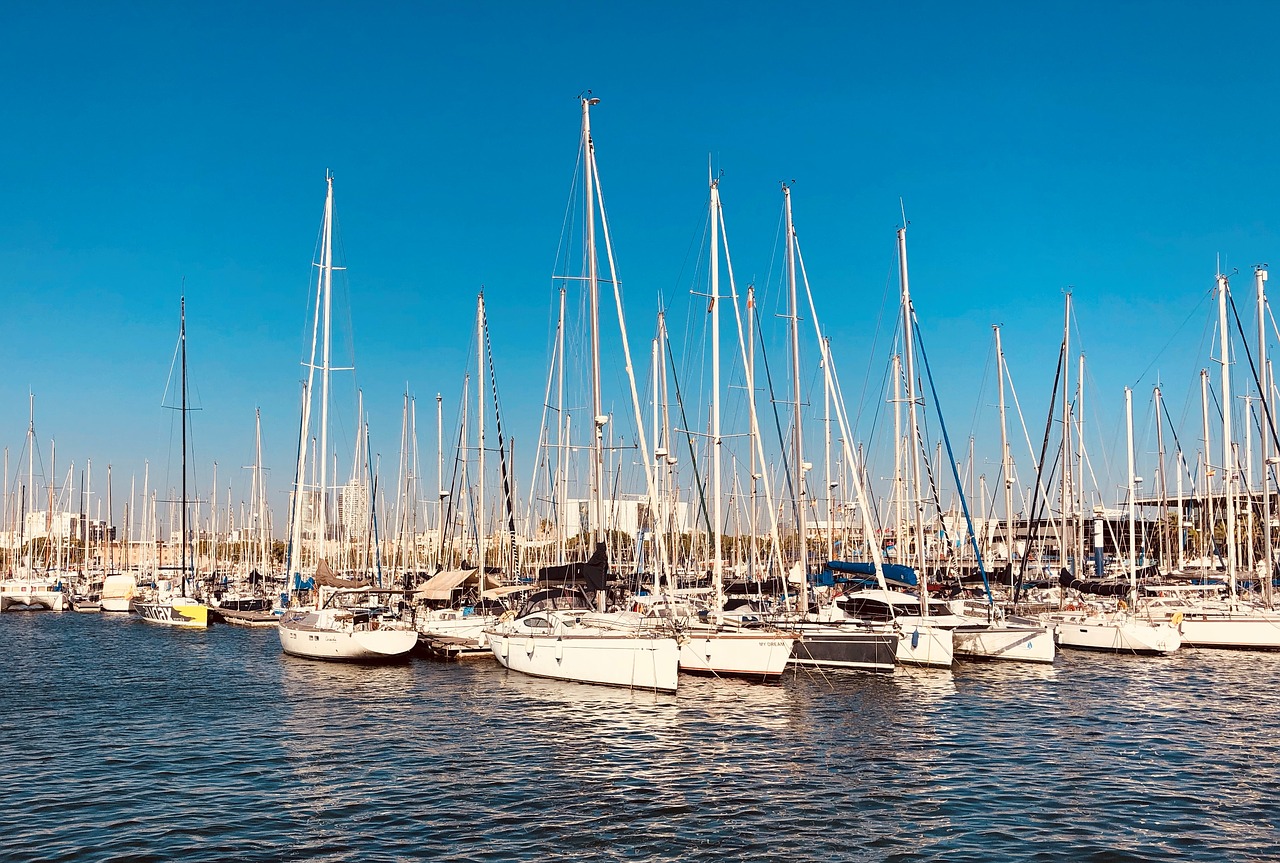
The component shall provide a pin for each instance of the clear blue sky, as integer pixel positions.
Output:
(1116, 148)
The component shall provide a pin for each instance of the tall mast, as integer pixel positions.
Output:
(182, 340)
(826, 422)
(593, 283)
(441, 494)
(913, 422)
(1006, 465)
(1068, 471)
(797, 437)
(1208, 486)
(750, 351)
(480, 536)
(1163, 484)
(562, 440)
(326, 271)
(1268, 553)
(717, 566)
(1133, 532)
(1228, 458)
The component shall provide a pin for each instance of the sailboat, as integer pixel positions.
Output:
(714, 642)
(557, 633)
(1211, 615)
(170, 604)
(335, 626)
(1123, 630)
(827, 638)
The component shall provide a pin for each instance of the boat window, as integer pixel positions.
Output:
(867, 609)
(537, 623)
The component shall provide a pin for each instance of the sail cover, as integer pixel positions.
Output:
(593, 574)
(895, 574)
(442, 585)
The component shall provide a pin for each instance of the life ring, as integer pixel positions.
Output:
(506, 617)
(1176, 620)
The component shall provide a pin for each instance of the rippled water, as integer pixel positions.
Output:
(126, 741)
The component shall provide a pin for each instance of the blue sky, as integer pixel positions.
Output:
(1115, 148)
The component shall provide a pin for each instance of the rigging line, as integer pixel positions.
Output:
(503, 467)
(684, 422)
(964, 505)
(1035, 496)
(1253, 370)
(1194, 311)
(1176, 441)
(777, 421)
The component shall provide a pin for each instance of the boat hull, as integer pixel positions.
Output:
(924, 645)
(1117, 634)
(187, 615)
(1258, 630)
(823, 646)
(631, 661)
(753, 655)
(1005, 642)
(375, 645)
(20, 595)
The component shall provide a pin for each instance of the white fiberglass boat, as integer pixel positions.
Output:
(118, 591)
(558, 635)
(345, 634)
(921, 641)
(34, 592)
(1117, 631)
(1212, 621)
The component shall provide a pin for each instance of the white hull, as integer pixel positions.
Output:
(298, 637)
(1009, 642)
(1115, 633)
(757, 655)
(118, 591)
(921, 644)
(1247, 629)
(20, 594)
(465, 632)
(634, 661)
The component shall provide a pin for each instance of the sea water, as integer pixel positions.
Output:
(126, 741)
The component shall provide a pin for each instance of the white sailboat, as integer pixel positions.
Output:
(553, 635)
(170, 604)
(712, 644)
(1210, 616)
(331, 629)
(1123, 630)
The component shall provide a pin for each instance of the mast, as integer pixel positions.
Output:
(562, 441)
(1163, 485)
(750, 354)
(1268, 553)
(593, 283)
(829, 485)
(913, 423)
(1006, 465)
(480, 535)
(1068, 471)
(717, 566)
(326, 272)
(1133, 572)
(1228, 460)
(797, 437)
(182, 340)
(1208, 486)
(441, 494)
